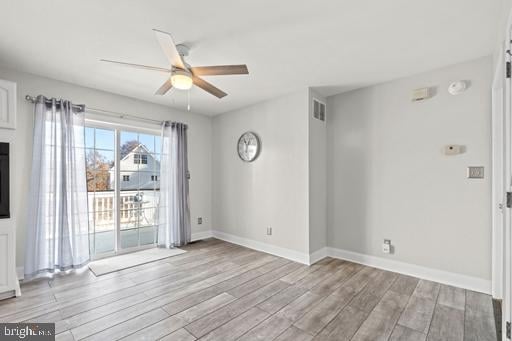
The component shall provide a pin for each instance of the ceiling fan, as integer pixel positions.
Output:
(182, 75)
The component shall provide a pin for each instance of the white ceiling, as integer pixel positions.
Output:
(287, 44)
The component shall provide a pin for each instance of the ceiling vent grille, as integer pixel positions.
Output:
(318, 110)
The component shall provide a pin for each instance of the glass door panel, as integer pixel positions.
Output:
(123, 173)
(139, 188)
(99, 153)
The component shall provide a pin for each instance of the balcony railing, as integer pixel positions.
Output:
(138, 219)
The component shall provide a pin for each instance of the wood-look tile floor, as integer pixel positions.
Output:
(221, 291)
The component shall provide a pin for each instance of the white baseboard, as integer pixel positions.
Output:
(201, 235)
(441, 276)
(318, 255)
(293, 255)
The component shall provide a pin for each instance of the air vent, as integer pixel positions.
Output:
(318, 110)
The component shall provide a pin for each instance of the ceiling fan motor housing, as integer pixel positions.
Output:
(183, 49)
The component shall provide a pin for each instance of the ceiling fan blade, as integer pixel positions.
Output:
(208, 87)
(164, 88)
(169, 48)
(138, 66)
(220, 70)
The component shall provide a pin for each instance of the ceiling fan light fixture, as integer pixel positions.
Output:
(181, 80)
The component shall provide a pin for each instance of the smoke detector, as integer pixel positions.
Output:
(458, 87)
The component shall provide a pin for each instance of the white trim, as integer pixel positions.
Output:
(102, 121)
(20, 271)
(201, 235)
(498, 181)
(317, 255)
(440, 276)
(293, 255)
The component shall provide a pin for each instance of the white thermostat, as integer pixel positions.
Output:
(420, 94)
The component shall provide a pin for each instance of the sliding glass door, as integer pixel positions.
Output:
(123, 177)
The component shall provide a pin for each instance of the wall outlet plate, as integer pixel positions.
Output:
(199, 220)
(453, 149)
(269, 231)
(475, 172)
(386, 246)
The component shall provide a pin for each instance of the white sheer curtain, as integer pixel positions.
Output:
(57, 228)
(174, 213)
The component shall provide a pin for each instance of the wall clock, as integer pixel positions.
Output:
(249, 146)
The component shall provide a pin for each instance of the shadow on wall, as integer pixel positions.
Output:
(349, 149)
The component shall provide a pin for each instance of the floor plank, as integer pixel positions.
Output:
(479, 318)
(267, 330)
(401, 333)
(447, 324)
(235, 328)
(418, 314)
(381, 321)
(218, 318)
(179, 335)
(344, 326)
(452, 297)
(294, 334)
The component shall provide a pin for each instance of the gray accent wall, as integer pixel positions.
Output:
(388, 177)
(271, 191)
(317, 177)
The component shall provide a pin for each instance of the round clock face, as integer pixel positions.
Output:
(248, 146)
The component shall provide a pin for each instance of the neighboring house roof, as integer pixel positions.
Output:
(138, 180)
(140, 149)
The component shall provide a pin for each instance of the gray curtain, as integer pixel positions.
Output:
(174, 213)
(57, 227)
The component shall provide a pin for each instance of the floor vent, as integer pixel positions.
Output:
(318, 110)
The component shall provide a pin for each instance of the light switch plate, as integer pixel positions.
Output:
(476, 172)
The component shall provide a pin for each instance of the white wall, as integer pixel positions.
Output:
(317, 178)
(272, 190)
(200, 137)
(388, 176)
(504, 21)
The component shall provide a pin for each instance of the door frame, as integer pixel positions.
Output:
(498, 178)
(506, 280)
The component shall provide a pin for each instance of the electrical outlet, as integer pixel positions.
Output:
(199, 220)
(269, 231)
(386, 247)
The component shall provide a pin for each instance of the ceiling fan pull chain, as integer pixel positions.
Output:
(188, 100)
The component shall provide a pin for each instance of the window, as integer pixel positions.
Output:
(154, 177)
(140, 159)
(126, 178)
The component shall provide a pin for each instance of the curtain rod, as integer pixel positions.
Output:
(110, 113)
